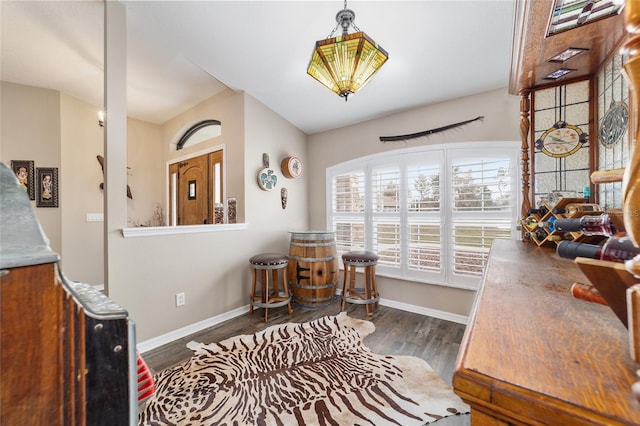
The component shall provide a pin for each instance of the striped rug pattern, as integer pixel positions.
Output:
(314, 373)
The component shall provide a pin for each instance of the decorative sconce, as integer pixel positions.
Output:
(101, 118)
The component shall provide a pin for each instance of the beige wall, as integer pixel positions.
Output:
(501, 123)
(146, 171)
(57, 130)
(226, 107)
(266, 132)
(30, 130)
(81, 142)
(212, 268)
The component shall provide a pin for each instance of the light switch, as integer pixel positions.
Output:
(95, 217)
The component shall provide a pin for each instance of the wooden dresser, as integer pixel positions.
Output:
(67, 351)
(533, 354)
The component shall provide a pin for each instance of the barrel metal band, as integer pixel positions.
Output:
(312, 259)
(314, 299)
(313, 236)
(327, 244)
(312, 287)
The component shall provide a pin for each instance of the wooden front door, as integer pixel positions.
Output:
(195, 185)
(192, 190)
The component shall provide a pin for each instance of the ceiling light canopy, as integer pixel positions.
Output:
(346, 63)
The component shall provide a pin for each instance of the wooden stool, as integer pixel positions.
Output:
(264, 263)
(368, 294)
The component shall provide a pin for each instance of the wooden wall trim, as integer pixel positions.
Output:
(531, 48)
(525, 125)
(631, 179)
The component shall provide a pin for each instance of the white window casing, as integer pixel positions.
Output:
(431, 212)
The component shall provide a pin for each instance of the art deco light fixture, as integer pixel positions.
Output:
(346, 62)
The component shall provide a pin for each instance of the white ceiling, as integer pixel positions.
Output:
(182, 52)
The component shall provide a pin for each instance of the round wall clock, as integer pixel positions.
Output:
(614, 124)
(291, 167)
(561, 140)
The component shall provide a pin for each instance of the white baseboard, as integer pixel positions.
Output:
(147, 345)
(428, 312)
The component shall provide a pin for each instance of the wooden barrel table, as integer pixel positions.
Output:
(313, 268)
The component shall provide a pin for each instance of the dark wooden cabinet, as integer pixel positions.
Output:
(67, 351)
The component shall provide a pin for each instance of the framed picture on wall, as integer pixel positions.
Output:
(47, 187)
(24, 172)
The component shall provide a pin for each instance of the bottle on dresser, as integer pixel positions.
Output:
(618, 248)
(554, 197)
(572, 209)
(540, 234)
(588, 225)
(530, 222)
(549, 224)
(540, 211)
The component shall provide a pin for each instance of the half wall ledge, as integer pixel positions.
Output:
(154, 231)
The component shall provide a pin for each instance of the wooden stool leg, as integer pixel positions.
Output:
(275, 283)
(352, 279)
(375, 286)
(265, 291)
(253, 289)
(367, 289)
(344, 287)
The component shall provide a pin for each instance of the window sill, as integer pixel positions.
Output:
(154, 231)
(459, 286)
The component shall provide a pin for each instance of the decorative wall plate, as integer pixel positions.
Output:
(267, 179)
(561, 140)
(614, 124)
(291, 167)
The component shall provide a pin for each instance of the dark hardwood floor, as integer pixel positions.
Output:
(397, 333)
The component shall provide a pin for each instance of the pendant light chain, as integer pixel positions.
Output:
(333, 31)
(351, 23)
(345, 15)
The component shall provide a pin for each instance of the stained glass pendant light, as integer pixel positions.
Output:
(346, 62)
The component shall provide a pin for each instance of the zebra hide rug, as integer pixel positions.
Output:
(314, 373)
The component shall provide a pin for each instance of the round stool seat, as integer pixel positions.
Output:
(269, 259)
(360, 258)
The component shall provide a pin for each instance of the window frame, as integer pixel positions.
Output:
(444, 156)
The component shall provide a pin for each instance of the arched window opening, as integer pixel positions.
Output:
(200, 132)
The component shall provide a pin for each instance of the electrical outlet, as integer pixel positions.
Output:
(180, 299)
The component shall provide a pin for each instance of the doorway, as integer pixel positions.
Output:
(195, 190)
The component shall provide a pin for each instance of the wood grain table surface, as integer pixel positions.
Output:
(534, 354)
